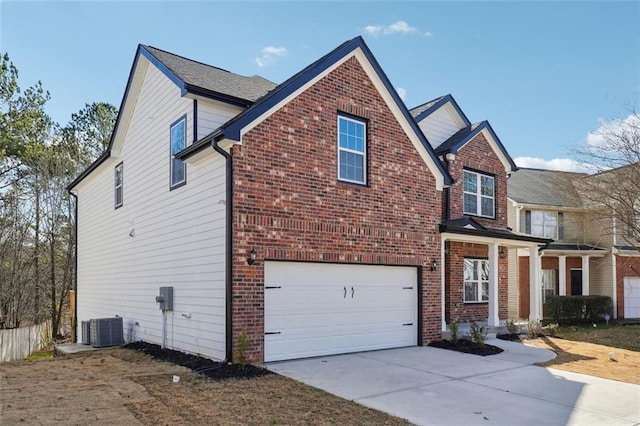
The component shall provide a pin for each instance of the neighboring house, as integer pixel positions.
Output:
(314, 216)
(474, 235)
(588, 255)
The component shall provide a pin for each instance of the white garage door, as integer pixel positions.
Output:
(314, 309)
(632, 297)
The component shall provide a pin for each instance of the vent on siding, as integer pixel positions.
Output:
(86, 332)
(106, 332)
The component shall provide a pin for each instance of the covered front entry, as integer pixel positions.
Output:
(314, 309)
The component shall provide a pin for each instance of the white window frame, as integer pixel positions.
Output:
(549, 280)
(118, 189)
(480, 282)
(545, 225)
(182, 121)
(478, 194)
(362, 153)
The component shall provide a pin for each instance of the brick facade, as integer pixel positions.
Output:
(289, 204)
(477, 155)
(455, 308)
(626, 266)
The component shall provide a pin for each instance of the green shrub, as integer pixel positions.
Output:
(453, 331)
(242, 345)
(478, 333)
(578, 309)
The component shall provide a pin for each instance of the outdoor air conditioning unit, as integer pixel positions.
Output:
(86, 332)
(107, 332)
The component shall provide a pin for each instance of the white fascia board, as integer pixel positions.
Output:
(450, 236)
(494, 145)
(451, 110)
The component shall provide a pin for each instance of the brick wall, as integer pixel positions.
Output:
(455, 308)
(626, 266)
(289, 204)
(478, 155)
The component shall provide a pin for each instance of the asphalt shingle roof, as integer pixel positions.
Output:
(422, 108)
(544, 187)
(213, 79)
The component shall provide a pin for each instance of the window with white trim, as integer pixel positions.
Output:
(476, 280)
(178, 140)
(549, 278)
(118, 182)
(479, 194)
(352, 150)
(546, 224)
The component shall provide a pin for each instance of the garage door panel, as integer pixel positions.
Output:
(323, 309)
(632, 297)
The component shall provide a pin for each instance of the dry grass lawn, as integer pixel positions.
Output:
(592, 359)
(124, 387)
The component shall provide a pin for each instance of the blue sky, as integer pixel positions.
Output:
(545, 74)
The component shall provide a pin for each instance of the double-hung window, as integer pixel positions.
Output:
(118, 182)
(476, 280)
(546, 224)
(352, 150)
(479, 194)
(178, 136)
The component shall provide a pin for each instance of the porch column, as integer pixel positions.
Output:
(535, 294)
(585, 275)
(562, 278)
(442, 283)
(493, 320)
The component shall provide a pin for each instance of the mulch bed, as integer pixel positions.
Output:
(207, 367)
(466, 346)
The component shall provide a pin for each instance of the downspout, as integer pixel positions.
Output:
(229, 250)
(74, 319)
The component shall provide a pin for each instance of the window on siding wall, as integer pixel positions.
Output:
(546, 224)
(352, 150)
(118, 183)
(479, 194)
(549, 283)
(178, 136)
(476, 280)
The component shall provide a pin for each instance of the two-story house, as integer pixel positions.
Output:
(588, 255)
(314, 216)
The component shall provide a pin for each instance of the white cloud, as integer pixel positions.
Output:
(398, 27)
(402, 92)
(597, 138)
(562, 164)
(268, 55)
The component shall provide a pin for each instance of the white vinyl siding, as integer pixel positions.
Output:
(439, 126)
(179, 236)
(212, 115)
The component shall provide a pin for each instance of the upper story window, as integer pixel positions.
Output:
(479, 194)
(118, 182)
(178, 136)
(476, 280)
(352, 150)
(546, 224)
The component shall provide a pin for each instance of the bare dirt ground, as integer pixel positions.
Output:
(124, 387)
(592, 359)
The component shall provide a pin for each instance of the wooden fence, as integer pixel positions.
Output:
(19, 343)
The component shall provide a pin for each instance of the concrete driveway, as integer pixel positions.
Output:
(430, 386)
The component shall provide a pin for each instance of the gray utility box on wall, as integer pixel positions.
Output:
(165, 299)
(107, 332)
